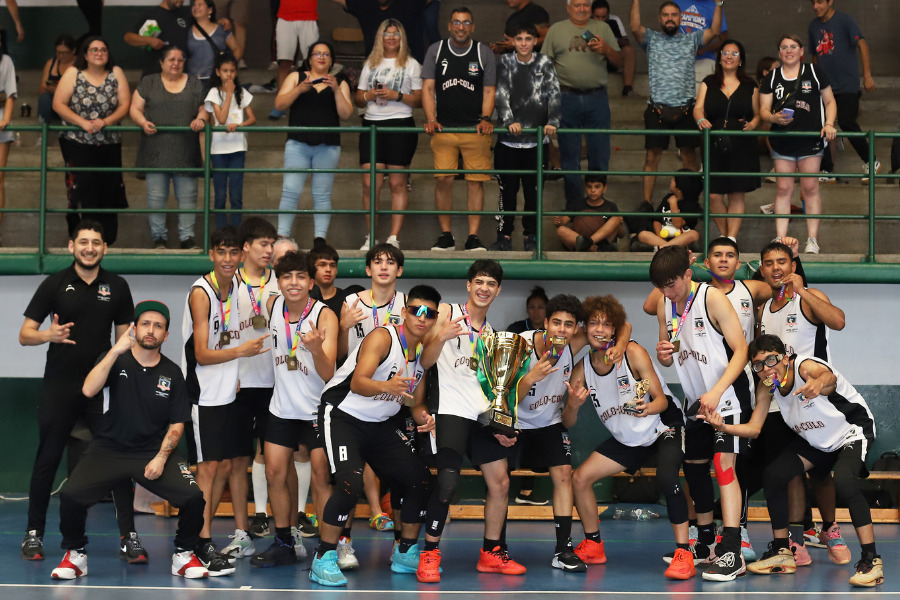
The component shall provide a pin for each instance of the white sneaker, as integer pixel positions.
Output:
(365, 247)
(186, 564)
(767, 209)
(273, 66)
(242, 64)
(299, 548)
(866, 170)
(73, 564)
(826, 177)
(771, 179)
(346, 555)
(812, 246)
(393, 241)
(241, 545)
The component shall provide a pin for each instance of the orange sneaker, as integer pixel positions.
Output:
(498, 561)
(591, 552)
(682, 565)
(429, 566)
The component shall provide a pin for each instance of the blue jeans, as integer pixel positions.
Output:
(298, 155)
(228, 184)
(583, 111)
(157, 196)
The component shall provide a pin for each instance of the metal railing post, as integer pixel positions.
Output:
(870, 258)
(42, 226)
(373, 184)
(207, 171)
(539, 208)
(706, 182)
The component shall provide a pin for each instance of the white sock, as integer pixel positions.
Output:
(260, 489)
(304, 474)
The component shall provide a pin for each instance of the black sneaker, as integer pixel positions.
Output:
(530, 243)
(33, 546)
(306, 526)
(159, 244)
(188, 244)
(445, 242)
(727, 567)
(131, 550)
(216, 563)
(533, 499)
(259, 526)
(473, 243)
(277, 554)
(568, 561)
(583, 244)
(503, 244)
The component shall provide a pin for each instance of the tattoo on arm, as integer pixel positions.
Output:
(169, 443)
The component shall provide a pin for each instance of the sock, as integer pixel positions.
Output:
(827, 525)
(867, 550)
(304, 474)
(284, 535)
(683, 546)
(563, 526)
(260, 489)
(795, 530)
(202, 541)
(781, 543)
(594, 537)
(345, 532)
(731, 538)
(489, 545)
(398, 535)
(324, 547)
(692, 522)
(405, 545)
(706, 534)
(502, 542)
(431, 546)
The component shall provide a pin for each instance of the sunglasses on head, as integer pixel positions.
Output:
(420, 310)
(769, 361)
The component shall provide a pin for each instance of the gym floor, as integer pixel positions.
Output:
(634, 550)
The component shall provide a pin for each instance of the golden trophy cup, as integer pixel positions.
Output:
(640, 390)
(499, 362)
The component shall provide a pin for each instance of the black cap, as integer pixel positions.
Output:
(151, 305)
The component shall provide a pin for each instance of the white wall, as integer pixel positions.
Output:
(864, 351)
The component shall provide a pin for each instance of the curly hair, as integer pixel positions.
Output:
(607, 306)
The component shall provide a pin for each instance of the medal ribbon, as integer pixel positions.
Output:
(553, 353)
(473, 339)
(294, 341)
(722, 279)
(676, 322)
(777, 384)
(418, 354)
(387, 317)
(254, 301)
(224, 310)
(781, 293)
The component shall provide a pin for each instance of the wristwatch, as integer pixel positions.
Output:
(399, 96)
(486, 118)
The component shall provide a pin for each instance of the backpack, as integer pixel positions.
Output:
(883, 493)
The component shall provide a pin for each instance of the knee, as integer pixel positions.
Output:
(447, 479)
(349, 483)
(580, 481)
(499, 486)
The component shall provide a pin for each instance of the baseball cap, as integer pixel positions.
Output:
(151, 305)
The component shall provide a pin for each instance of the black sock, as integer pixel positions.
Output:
(284, 535)
(563, 527)
(345, 532)
(731, 538)
(489, 545)
(431, 546)
(807, 521)
(324, 547)
(692, 522)
(684, 546)
(398, 535)
(706, 534)
(502, 542)
(867, 550)
(204, 540)
(594, 537)
(827, 525)
(795, 530)
(778, 543)
(405, 545)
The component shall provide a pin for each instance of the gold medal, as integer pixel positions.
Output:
(258, 322)
(225, 338)
(767, 382)
(677, 344)
(292, 363)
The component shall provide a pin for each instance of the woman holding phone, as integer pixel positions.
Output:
(794, 97)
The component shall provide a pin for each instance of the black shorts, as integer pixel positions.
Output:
(251, 413)
(212, 433)
(469, 438)
(823, 462)
(632, 457)
(392, 148)
(292, 433)
(350, 444)
(702, 441)
(540, 449)
(655, 118)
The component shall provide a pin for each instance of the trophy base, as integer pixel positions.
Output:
(499, 421)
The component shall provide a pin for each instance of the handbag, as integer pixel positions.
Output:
(216, 50)
(722, 143)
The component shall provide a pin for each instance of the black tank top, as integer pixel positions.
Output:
(459, 85)
(315, 109)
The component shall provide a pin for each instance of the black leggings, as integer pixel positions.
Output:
(507, 158)
(847, 113)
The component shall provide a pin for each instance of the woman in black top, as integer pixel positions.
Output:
(316, 98)
(795, 97)
(729, 100)
(53, 70)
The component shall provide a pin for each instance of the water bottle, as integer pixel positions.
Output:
(642, 514)
(17, 139)
(620, 514)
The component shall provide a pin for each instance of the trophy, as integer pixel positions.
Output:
(500, 359)
(640, 390)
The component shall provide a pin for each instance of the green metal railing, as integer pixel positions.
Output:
(538, 266)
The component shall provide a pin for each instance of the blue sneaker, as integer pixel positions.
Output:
(325, 570)
(276, 114)
(405, 562)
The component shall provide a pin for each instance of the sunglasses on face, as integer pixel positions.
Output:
(421, 310)
(731, 53)
(769, 361)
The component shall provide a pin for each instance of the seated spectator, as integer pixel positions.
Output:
(53, 70)
(600, 12)
(591, 233)
(206, 41)
(526, 13)
(536, 307)
(668, 230)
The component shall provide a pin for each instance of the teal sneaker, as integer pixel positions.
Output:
(405, 562)
(325, 570)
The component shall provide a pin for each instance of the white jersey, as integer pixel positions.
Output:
(373, 409)
(703, 357)
(543, 405)
(610, 392)
(460, 392)
(742, 301)
(829, 422)
(211, 385)
(388, 314)
(297, 393)
(256, 371)
(799, 335)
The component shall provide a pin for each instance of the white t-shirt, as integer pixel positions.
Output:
(8, 87)
(222, 142)
(400, 79)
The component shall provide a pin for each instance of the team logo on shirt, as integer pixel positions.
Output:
(163, 387)
(624, 386)
(806, 86)
(70, 288)
(394, 319)
(473, 69)
(745, 305)
(103, 292)
(699, 327)
(791, 323)
(122, 373)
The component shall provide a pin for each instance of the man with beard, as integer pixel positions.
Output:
(82, 301)
(670, 56)
(145, 408)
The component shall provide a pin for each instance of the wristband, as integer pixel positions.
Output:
(700, 121)
(486, 118)
(399, 96)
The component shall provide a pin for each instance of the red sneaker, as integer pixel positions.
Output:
(591, 552)
(682, 565)
(429, 566)
(498, 561)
